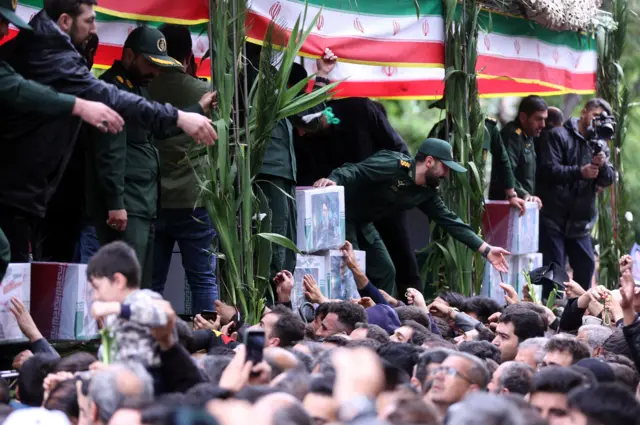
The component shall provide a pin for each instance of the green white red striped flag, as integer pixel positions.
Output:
(385, 51)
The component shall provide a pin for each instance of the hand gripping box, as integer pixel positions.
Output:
(16, 283)
(503, 227)
(518, 264)
(321, 218)
(341, 282)
(313, 265)
(61, 302)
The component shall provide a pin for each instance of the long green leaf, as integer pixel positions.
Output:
(279, 240)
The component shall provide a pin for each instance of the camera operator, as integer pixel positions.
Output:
(572, 168)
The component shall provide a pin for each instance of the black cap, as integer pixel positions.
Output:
(151, 43)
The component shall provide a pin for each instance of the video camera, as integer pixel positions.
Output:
(603, 128)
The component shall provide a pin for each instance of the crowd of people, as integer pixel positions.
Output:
(456, 361)
(389, 357)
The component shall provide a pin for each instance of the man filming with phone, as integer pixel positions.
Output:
(573, 167)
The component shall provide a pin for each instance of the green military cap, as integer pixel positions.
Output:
(151, 43)
(8, 12)
(443, 151)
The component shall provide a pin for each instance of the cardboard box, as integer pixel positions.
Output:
(61, 301)
(518, 264)
(503, 227)
(16, 283)
(321, 218)
(314, 265)
(341, 283)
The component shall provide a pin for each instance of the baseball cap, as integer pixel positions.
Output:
(442, 150)
(8, 12)
(151, 43)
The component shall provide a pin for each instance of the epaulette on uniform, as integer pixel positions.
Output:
(405, 164)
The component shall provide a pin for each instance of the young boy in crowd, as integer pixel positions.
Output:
(130, 313)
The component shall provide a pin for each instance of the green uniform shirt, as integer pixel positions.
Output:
(522, 155)
(280, 157)
(122, 168)
(384, 183)
(29, 96)
(179, 186)
(502, 177)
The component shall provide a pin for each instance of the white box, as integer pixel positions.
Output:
(341, 282)
(16, 283)
(314, 265)
(61, 301)
(504, 227)
(321, 218)
(518, 264)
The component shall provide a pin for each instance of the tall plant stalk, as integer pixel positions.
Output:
(455, 265)
(614, 233)
(244, 120)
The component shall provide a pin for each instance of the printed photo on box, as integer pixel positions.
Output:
(325, 209)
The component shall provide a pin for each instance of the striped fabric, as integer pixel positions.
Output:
(385, 51)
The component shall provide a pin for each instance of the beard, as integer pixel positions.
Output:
(78, 41)
(137, 77)
(432, 180)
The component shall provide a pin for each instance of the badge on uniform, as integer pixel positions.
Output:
(405, 164)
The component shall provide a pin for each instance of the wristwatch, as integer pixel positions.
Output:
(323, 80)
(486, 251)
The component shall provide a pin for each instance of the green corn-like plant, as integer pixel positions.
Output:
(613, 232)
(452, 264)
(108, 344)
(244, 121)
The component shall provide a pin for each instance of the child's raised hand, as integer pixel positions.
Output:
(101, 309)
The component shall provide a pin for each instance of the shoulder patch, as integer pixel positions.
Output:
(492, 119)
(518, 131)
(129, 84)
(120, 79)
(405, 164)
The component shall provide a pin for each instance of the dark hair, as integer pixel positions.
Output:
(289, 327)
(532, 104)
(324, 362)
(394, 376)
(444, 327)
(364, 343)
(293, 414)
(55, 8)
(625, 376)
(348, 314)
(5, 396)
(221, 350)
(478, 373)
(337, 340)
(375, 332)
(420, 333)
(295, 382)
(617, 344)
(483, 307)
(607, 404)
(402, 355)
(255, 393)
(526, 323)
(64, 397)
(619, 359)
(322, 385)
(409, 312)
(214, 366)
(529, 414)
(517, 377)
(201, 393)
(179, 42)
(76, 362)
(306, 361)
(420, 157)
(31, 378)
(323, 310)
(413, 411)
(481, 349)
(555, 117)
(297, 74)
(598, 102)
(587, 374)
(116, 257)
(577, 349)
(556, 379)
(435, 355)
(454, 299)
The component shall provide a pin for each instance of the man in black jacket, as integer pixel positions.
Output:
(569, 175)
(35, 148)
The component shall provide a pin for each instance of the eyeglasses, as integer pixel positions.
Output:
(449, 371)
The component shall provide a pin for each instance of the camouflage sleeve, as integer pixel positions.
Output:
(141, 309)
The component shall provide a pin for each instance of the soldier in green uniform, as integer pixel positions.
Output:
(123, 170)
(5, 254)
(391, 181)
(518, 136)
(501, 172)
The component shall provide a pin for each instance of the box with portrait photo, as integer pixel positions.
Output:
(321, 218)
(340, 279)
(314, 265)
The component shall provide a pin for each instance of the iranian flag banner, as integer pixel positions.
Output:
(385, 51)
